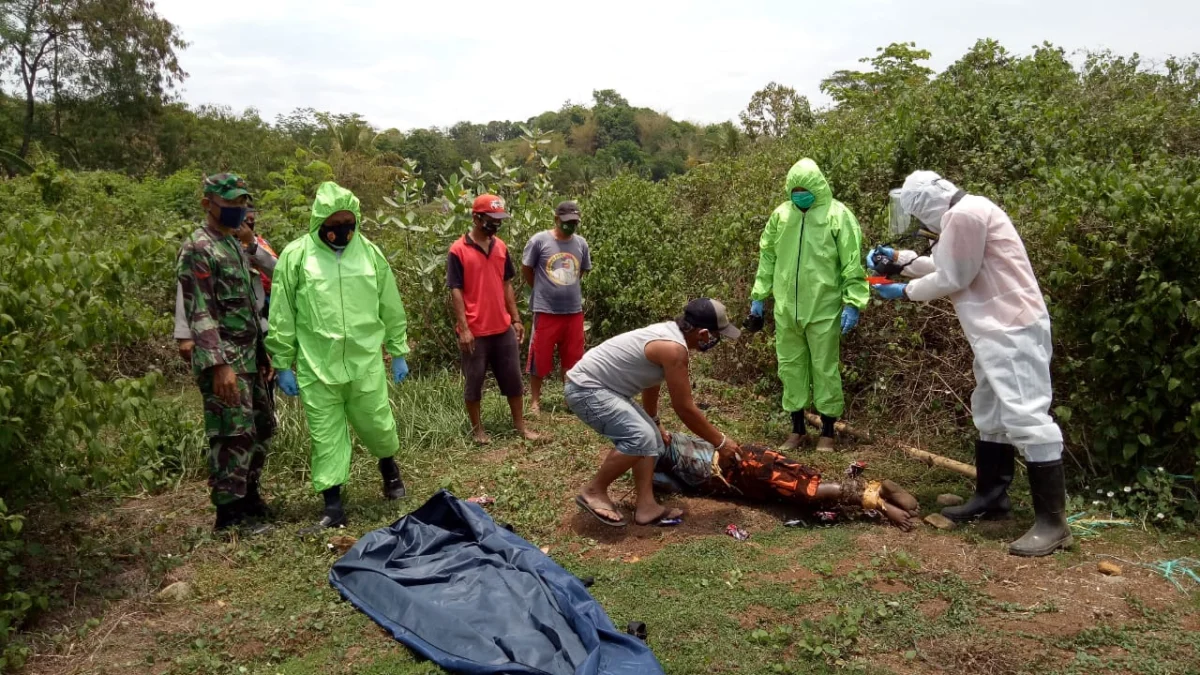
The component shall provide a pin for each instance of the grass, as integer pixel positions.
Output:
(857, 596)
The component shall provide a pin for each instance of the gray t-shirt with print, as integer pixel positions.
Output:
(557, 269)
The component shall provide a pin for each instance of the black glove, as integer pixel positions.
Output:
(754, 324)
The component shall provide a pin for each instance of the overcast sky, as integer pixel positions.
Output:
(411, 64)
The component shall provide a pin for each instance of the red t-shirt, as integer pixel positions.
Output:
(481, 276)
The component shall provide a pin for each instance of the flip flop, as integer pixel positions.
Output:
(590, 509)
(665, 520)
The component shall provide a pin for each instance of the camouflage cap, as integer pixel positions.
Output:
(227, 185)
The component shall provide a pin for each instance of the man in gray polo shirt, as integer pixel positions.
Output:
(554, 263)
(600, 391)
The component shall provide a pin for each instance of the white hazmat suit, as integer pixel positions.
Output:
(980, 263)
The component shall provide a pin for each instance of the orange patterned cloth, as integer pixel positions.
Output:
(761, 473)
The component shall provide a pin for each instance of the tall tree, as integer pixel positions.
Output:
(117, 50)
(895, 68)
(775, 109)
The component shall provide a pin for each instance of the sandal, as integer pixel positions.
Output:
(583, 504)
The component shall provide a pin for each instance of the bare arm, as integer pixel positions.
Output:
(460, 310)
(650, 400)
(510, 303)
(673, 358)
(527, 275)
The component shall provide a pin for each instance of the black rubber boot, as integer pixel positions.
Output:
(253, 505)
(995, 464)
(228, 516)
(333, 516)
(393, 486)
(1050, 532)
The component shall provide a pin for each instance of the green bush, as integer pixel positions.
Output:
(1125, 300)
(16, 601)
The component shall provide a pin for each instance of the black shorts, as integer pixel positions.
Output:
(502, 354)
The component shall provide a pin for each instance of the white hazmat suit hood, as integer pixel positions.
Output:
(927, 197)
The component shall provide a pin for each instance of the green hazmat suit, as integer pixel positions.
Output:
(330, 313)
(811, 263)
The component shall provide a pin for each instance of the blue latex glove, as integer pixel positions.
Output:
(849, 318)
(287, 382)
(399, 369)
(886, 250)
(757, 307)
(890, 291)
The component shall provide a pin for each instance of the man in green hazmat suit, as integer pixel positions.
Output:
(810, 262)
(334, 303)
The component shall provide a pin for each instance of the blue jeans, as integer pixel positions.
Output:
(617, 418)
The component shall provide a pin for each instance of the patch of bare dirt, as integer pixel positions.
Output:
(983, 656)
(757, 616)
(890, 587)
(932, 609)
(1069, 584)
(702, 518)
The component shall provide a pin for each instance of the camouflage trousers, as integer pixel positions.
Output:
(237, 435)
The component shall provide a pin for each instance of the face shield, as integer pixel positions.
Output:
(900, 222)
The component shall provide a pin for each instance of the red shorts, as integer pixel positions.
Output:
(564, 331)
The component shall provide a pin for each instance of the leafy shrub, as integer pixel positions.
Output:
(16, 601)
(1126, 304)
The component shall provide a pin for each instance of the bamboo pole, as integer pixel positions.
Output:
(923, 456)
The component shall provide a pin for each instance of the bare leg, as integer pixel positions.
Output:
(900, 497)
(517, 405)
(595, 492)
(535, 395)
(473, 411)
(648, 510)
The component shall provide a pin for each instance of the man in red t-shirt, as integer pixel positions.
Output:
(479, 274)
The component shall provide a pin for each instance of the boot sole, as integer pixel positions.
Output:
(1043, 552)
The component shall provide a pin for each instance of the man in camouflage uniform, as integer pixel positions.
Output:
(228, 359)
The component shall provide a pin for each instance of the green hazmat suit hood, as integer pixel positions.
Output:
(330, 199)
(811, 263)
(806, 174)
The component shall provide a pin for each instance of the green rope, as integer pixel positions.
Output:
(1092, 526)
(1185, 566)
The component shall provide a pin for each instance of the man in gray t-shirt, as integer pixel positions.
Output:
(553, 264)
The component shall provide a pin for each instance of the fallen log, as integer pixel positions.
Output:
(918, 454)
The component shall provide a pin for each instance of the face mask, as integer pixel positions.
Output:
(231, 217)
(568, 227)
(491, 227)
(336, 236)
(712, 341)
(803, 200)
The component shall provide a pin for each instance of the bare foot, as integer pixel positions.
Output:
(530, 436)
(535, 409)
(899, 517)
(650, 517)
(601, 505)
(481, 437)
(900, 497)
